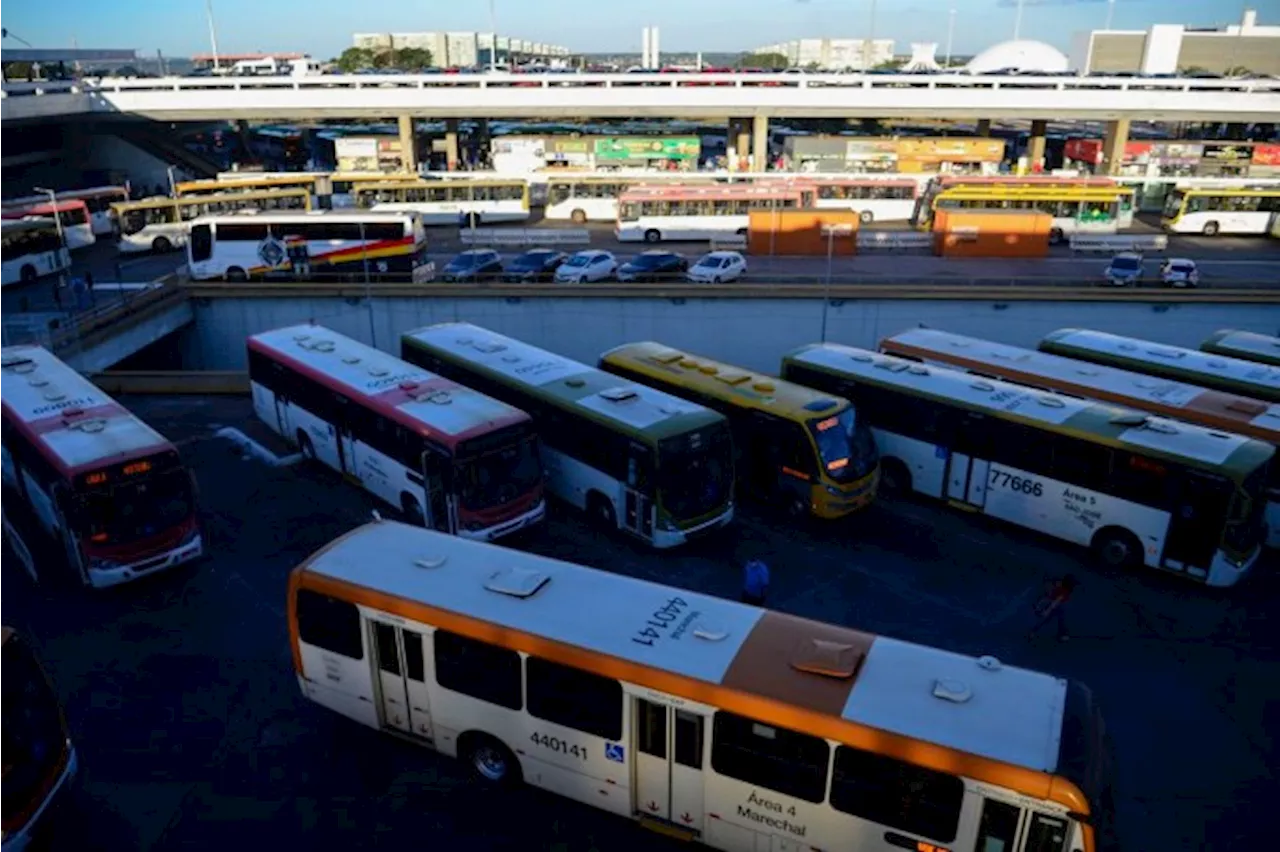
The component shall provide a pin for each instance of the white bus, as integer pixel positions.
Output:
(701, 717)
(585, 199)
(449, 202)
(874, 200)
(98, 200)
(1134, 488)
(451, 459)
(1226, 210)
(703, 212)
(632, 457)
(29, 249)
(73, 219)
(162, 224)
(307, 246)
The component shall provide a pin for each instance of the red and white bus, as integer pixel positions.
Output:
(73, 218)
(701, 212)
(450, 458)
(98, 199)
(108, 491)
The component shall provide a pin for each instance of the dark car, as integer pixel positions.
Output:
(473, 265)
(654, 266)
(538, 264)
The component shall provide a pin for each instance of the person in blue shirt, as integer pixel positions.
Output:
(755, 582)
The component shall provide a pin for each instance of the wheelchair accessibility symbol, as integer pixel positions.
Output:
(615, 752)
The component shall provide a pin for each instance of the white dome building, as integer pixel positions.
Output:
(1020, 56)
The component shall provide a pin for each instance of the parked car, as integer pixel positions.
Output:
(588, 265)
(538, 264)
(1179, 272)
(1124, 269)
(717, 266)
(473, 265)
(654, 265)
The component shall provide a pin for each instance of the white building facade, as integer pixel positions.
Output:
(464, 49)
(831, 54)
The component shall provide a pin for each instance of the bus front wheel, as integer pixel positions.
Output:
(578, 217)
(1209, 229)
(601, 510)
(28, 274)
(235, 273)
(1117, 549)
(895, 479)
(866, 217)
(161, 245)
(652, 236)
(1055, 236)
(489, 760)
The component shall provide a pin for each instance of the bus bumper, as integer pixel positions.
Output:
(1224, 572)
(103, 574)
(671, 538)
(528, 519)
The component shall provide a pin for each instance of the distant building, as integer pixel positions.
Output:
(1170, 48)
(833, 53)
(464, 49)
(1028, 56)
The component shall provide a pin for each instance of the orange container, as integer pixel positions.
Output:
(991, 233)
(803, 232)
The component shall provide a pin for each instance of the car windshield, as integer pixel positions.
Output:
(1181, 267)
(1125, 264)
(649, 261)
(497, 469)
(469, 259)
(695, 472)
(845, 446)
(578, 260)
(136, 508)
(534, 260)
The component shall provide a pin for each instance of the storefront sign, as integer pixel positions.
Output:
(640, 148)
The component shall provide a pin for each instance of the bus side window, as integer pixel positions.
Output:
(201, 242)
(329, 623)
(640, 468)
(998, 828)
(478, 669)
(1046, 834)
(897, 794)
(574, 698)
(787, 761)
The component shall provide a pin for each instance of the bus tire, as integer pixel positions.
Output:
(488, 760)
(895, 479)
(304, 447)
(1210, 229)
(1117, 549)
(1055, 236)
(866, 217)
(412, 510)
(578, 217)
(28, 273)
(161, 245)
(601, 510)
(653, 235)
(236, 273)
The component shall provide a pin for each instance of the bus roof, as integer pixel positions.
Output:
(1021, 180)
(822, 679)
(36, 208)
(1248, 345)
(1071, 192)
(68, 418)
(623, 405)
(433, 406)
(1245, 377)
(1041, 369)
(230, 196)
(1106, 424)
(712, 191)
(724, 381)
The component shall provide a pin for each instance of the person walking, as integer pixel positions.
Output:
(755, 582)
(1052, 606)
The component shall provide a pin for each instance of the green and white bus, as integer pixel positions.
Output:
(1245, 345)
(635, 458)
(1136, 489)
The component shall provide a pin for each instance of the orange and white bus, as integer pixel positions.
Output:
(702, 212)
(742, 728)
(98, 199)
(73, 219)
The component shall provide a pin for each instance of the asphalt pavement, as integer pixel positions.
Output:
(192, 732)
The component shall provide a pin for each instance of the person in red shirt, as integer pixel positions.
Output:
(1052, 606)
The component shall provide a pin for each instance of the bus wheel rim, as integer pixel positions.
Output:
(489, 763)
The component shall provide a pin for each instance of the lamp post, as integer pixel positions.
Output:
(493, 44)
(213, 33)
(831, 230)
(368, 286)
(62, 237)
(951, 29)
(1017, 22)
(1111, 10)
(173, 184)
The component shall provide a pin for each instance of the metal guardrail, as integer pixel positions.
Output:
(59, 331)
(729, 242)
(1118, 242)
(895, 240)
(525, 237)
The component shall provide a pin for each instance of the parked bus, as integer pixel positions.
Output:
(73, 218)
(799, 449)
(29, 249)
(1135, 489)
(585, 199)
(656, 213)
(162, 224)
(107, 491)
(451, 459)
(704, 718)
(450, 202)
(250, 182)
(1218, 372)
(874, 200)
(1208, 408)
(39, 759)
(1075, 210)
(1245, 345)
(97, 199)
(634, 458)
(357, 245)
(329, 189)
(1225, 210)
(938, 183)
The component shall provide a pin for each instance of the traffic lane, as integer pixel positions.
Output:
(109, 265)
(109, 270)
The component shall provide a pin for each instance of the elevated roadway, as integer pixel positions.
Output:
(679, 95)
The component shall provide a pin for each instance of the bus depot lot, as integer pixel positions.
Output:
(192, 733)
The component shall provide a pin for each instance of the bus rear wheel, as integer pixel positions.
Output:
(161, 245)
(578, 217)
(235, 273)
(895, 479)
(601, 511)
(1055, 236)
(652, 235)
(490, 761)
(28, 274)
(1210, 229)
(1117, 549)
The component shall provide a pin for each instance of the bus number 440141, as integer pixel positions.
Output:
(1006, 480)
(558, 745)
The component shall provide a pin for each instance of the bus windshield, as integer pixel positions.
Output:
(136, 509)
(34, 739)
(133, 221)
(695, 472)
(493, 477)
(1173, 203)
(845, 446)
(1245, 528)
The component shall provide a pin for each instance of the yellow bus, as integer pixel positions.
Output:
(798, 448)
(1223, 210)
(450, 202)
(702, 717)
(1075, 209)
(328, 189)
(163, 224)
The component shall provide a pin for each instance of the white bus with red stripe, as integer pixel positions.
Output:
(450, 458)
(97, 199)
(73, 219)
(105, 489)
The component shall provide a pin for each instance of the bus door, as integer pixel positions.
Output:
(438, 511)
(344, 413)
(966, 474)
(1195, 525)
(637, 499)
(669, 782)
(400, 661)
(1005, 827)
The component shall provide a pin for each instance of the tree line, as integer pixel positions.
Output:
(397, 58)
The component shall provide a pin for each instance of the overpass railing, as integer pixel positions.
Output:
(59, 332)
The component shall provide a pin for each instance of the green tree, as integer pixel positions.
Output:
(354, 58)
(411, 58)
(1237, 71)
(771, 61)
(889, 65)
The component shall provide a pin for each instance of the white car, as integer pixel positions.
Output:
(1179, 272)
(716, 267)
(589, 265)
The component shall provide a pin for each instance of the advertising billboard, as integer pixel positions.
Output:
(648, 148)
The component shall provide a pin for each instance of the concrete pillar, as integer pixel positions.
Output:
(1035, 145)
(984, 127)
(408, 145)
(737, 142)
(760, 143)
(451, 144)
(1113, 141)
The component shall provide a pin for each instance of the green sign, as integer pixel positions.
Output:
(646, 148)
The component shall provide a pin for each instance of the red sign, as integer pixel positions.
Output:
(1084, 150)
(1266, 155)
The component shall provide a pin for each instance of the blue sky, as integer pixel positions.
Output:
(323, 27)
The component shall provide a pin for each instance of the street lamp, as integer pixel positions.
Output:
(831, 230)
(1111, 10)
(213, 33)
(57, 220)
(951, 29)
(173, 185)
(493, 44)
(368, 287)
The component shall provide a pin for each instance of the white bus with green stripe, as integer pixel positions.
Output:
(635, 458)
(1134, 488)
